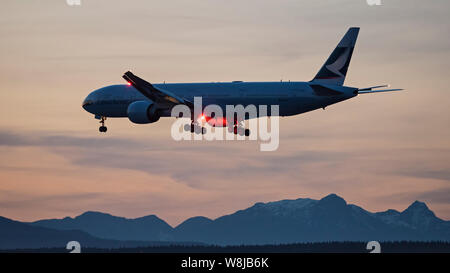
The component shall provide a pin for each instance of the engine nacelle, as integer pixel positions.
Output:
(142, 112)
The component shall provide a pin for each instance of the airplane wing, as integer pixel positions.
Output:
(157, 95)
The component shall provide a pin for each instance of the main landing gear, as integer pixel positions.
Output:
(195, 128)
(237, 129)
(103, 128)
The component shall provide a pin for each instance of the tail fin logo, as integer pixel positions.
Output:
(339, 63)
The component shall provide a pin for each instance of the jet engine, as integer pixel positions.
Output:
(142, 112)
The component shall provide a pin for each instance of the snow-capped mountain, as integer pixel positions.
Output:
(285, 221)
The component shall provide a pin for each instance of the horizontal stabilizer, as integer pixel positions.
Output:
(371, 89)
(378, 91)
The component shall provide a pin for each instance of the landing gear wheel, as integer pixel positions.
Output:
(241, 131)
(238, 129)
(187, 127)
(195, 128)
(103, 128)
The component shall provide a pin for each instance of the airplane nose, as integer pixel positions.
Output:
(87, 102)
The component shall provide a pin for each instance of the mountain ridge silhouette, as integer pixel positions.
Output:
(286, 221)
(18, 235)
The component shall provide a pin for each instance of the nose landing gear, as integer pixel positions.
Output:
(103, 128)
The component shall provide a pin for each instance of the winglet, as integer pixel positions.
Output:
(154, 94)
(141, 85)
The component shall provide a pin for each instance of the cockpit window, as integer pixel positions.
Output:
(87, 102)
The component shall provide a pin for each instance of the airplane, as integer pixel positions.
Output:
(142, 102)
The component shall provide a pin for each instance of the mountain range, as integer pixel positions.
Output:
(17, 235)
(286, 221)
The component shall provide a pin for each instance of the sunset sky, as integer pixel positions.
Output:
(378, 151)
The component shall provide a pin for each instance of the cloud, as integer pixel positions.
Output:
(12, 139)
(193, 164)
(437, 196)
(362, 149)
(17, 200)
(443, 174)
(45, 139)
(197, 164)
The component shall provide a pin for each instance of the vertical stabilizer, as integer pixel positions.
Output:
(335, 68)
